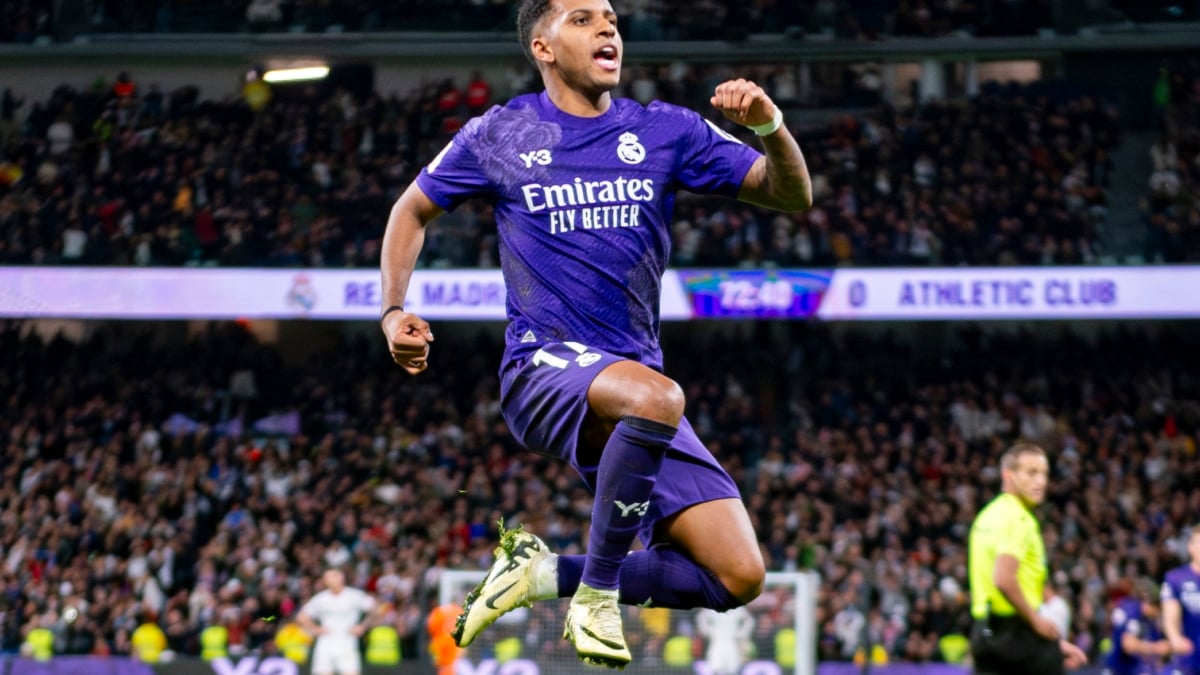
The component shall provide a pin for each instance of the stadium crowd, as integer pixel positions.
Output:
(127, 174)
(643, 19)
(1171, 206)
(134, 486)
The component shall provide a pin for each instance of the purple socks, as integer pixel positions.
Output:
(628, 468)
(661, 576)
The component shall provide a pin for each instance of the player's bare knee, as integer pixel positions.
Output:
(673, 401)
(745, 580)
(659, 399)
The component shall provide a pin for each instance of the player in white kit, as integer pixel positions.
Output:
(728, 636)
(338, 616)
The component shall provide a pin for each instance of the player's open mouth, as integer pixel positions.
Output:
(607, 58)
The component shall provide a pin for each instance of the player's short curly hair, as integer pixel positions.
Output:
(528, 15)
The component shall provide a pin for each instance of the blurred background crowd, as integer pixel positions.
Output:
(204, 480)
(646, 19)
(123, 173)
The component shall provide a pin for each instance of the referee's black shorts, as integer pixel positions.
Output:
(1008, 646)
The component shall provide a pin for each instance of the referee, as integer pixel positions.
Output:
(1007, 562)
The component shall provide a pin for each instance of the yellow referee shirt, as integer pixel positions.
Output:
(1005, 526)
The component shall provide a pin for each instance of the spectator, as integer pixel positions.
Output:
(124, 88)
(478, 95)
(1170, 210)
(60, 135)
(262, 14)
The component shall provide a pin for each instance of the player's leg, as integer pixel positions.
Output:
(663, 576)
(324, 659)
(717, 536)
(641, 409)
(544, 400)
(702, 550)
(349, 660)
(548, 404)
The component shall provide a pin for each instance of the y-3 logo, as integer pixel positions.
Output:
(636, 508)
(542, 157)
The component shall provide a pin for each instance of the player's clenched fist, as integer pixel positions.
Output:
(744, 102)
(408, 338)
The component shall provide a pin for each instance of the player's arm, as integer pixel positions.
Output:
(1172, 620)
(306, 622)
(371, 612)
(778, 180)
(1004, 575)
(408, 335)
(367, 623)
(1133, 644)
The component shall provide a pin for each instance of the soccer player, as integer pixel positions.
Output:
(338, 616)
(1007, 563)
(728, 635)
(583, 186)
(1181, 610)
(1138, 647)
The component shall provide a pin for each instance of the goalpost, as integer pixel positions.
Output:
(528, 641)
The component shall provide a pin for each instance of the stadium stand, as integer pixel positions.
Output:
(1171, 207)
(203, 481)
(644, 19)
(126, 174)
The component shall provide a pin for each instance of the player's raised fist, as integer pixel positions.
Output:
(744, 102)
(408, 338)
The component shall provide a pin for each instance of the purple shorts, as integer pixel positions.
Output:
(543, 397)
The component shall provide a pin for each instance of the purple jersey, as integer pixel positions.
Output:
(583, 207)
(1183, 585)
(1128, 619)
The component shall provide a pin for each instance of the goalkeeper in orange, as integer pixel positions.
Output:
(442, 648)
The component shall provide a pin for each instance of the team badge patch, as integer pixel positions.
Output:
(630, 151)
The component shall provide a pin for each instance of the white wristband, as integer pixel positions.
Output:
(770, 127)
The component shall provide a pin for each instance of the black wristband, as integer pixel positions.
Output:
(389, 310)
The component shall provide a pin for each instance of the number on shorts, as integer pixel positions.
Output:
(543, 357)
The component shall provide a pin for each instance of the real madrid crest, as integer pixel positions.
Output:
(302, 295)
(630, 151)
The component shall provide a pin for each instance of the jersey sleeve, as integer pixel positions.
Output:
(712, 161)
(1012, 537)
(1168, 591)
(455, 174)
(366, 603)
(312, 608)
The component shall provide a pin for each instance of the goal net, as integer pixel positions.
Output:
(774, 636)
